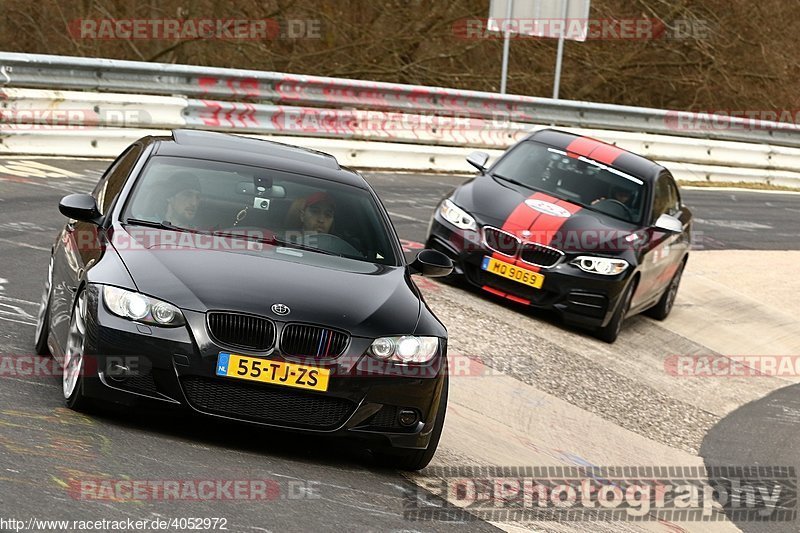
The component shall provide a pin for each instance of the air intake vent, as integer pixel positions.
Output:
(501, 241)
(266, 404)
(243, 331)
(540, 255)
(312, 341)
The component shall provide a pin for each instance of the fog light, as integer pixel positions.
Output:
(407, 417)
(118, 372)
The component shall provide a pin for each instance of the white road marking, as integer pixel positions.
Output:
(23, 227)
(17, 321)
(3, 281)
(15, 312)
(24, 244)
(403, 217)
(29, 382)
(34, 169)
(18, 301)
(742, 225)
(737, 189)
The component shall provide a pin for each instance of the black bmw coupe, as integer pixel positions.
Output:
(569, 223)
(252, 281)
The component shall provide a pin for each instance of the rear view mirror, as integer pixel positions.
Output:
(478, 160)
(249, 188)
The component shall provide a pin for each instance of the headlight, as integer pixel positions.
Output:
(406, 349)
(457, 216)
(141, 308)
(600, 265)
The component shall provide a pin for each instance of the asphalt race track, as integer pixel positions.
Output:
(554, 395)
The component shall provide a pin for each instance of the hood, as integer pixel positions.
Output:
(546, 219)
(363, 298)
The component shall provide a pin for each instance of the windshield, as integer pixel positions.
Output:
(577, 179)
(302, 212)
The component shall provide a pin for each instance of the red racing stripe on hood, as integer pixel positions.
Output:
(594, 149)
(545, 226)
(517, 221)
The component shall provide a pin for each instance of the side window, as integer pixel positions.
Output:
(674, 203)
(662, 198)
(114, 179)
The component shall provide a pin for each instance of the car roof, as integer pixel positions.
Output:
(236, 149)
(600, 151)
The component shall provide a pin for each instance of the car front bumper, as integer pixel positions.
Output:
(580, 297)
(174, 368)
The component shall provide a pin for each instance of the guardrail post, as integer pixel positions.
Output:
(4, 70)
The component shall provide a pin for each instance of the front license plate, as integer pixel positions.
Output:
(276, 372)
(521, 275)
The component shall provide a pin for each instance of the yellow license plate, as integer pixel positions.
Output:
(522, 275)
(276, 372)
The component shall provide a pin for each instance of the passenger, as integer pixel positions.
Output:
(318, 212)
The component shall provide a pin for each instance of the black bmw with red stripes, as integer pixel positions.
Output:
(572, 224)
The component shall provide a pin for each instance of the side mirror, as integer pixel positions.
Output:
(432, 263)
(669, 224)
(81, 207)
(478, 160)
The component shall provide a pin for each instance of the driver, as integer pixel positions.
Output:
(183, 198)
(620, 194)
(317, 215)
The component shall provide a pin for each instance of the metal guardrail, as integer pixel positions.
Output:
(272, 88)
(53, 105)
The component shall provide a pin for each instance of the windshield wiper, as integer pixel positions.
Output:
(290, 244)
(166, 224)
(274, 240)
(250, 236)
(515, 182)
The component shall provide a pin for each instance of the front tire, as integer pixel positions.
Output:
(661, 310)
(73, 378)
(610, 331)
(43, 317)
(413, 460)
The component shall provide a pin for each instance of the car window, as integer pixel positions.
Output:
(303, 211)
(667, 200)
(674, 202)
(113, 180)
(579, 180)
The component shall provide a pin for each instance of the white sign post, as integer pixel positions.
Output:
(557, 19)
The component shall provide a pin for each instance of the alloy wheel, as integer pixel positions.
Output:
(76, 339)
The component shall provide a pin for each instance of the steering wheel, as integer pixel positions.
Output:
(625, 209)
(331, 243)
